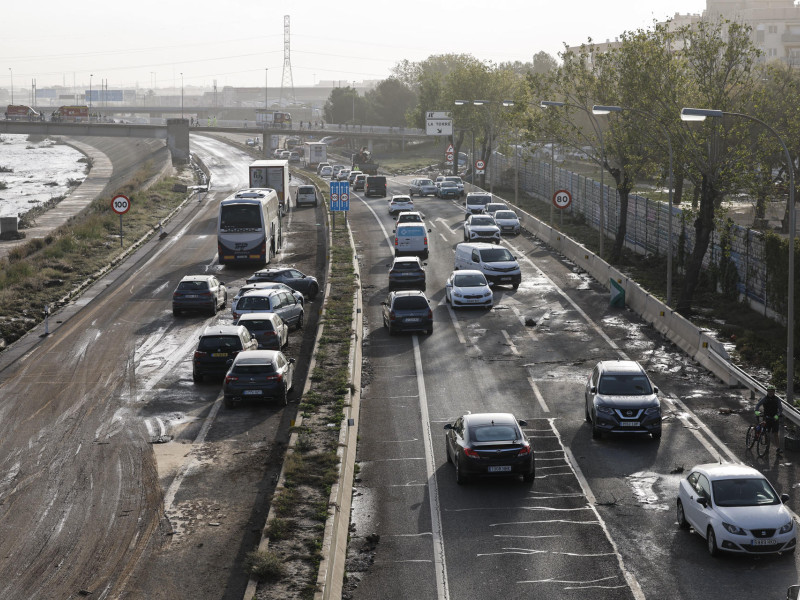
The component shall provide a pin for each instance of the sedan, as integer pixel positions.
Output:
(448, 189)
(407, 272)
(735, 509)
(399, 204)
(481, 228)
(468, 288)
(259, 374)
(407, 311)
(489, 444)
(507, 221)
(297, 280)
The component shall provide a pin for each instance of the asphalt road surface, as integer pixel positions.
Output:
(120, 477)
(599, 521)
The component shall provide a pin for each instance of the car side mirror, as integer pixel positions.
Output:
(384, 304)
(229, 362)
(424, 264)
(784, 498)
(522, 423)
(429, 230)
(703, 501)
(448, 426)
(593, 389)
(448, 285)
(655, 390)
(291, 361)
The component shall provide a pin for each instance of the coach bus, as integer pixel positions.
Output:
(249, 227)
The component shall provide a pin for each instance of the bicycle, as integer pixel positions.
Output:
(758, 436)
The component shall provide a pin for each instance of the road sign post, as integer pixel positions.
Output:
(562, 199)
(480, 167)
(120, 204)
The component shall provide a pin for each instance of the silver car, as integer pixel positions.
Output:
(507, 221)
(481, 228)
(421, 187)
(284, 304)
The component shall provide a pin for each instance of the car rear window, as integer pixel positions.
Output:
(193, 286)
(494, 433)
(376, 180)
(258, 325)
(410, 303)
(225, 343)
(410, 231)
(409, 219)
(406, 266)
(251, 302)
(250, 369)
(624, 385)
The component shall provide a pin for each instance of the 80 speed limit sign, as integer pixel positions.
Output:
(120, 204)
(562, 199)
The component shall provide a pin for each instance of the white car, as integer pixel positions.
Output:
(343, 174)
(735, 509)
(481, 228)
(468, 288)
(326, 172)
(507, 221)
(400, 203)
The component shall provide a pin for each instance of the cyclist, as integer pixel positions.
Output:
(772, 410)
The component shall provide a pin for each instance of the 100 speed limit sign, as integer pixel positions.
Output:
(562, 199)
(120, 204)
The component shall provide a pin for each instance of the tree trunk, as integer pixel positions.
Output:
(624, 190)
(677, 192)
(703, 226)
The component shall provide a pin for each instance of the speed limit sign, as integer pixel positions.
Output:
(120, 204)
(562, 199)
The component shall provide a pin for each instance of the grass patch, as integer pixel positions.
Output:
(265, 566)
(281, 529)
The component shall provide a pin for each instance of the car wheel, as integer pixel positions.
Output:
(176, 312)
(682, 522)
(460, 477)
(656, 435)
(528, 477)
(313, 291)
(447, 451)
(596, 433)
(515, 286)
(711, 542)
(300, 321)
(229, 403)
(586, 414)
(429, 331)
(284, 400)
(197, 377)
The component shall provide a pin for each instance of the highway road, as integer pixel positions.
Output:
(120, 477)
(599, 520)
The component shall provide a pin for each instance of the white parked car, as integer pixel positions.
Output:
(468, 288)
(735, 509)
(507, 221)
(481, 228)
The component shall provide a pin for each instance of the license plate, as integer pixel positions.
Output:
(219, 354)
(630, 424)
(473, 300)
(191, 296)
(505, 279)
(501, 469)
(252, 392)
(414, 320)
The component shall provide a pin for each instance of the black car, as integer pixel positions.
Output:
(375, 186)
(407, 310)
(199, 292)
(489, 444)
(218, 345)
(407, 272)
(306, 284)
(257, 375)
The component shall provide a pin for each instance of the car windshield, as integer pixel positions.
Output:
(496, 255)
(744, 492)
(449, 184)
(494, 433)
(505, 214)
(482, 221)
(476, 200)
(470, 280)
(224, 343)
(193, 286)
(455, 179)
(624, 385)
(410, 303)
(263, 369)
(425, 182)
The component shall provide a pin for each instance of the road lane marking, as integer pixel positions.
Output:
(442, 236)
(510, 343)
(538, 395)
(442, 591)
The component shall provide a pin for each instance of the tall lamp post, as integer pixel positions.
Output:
(484, 104)
(11, 72)
(598, 109)
(700, 114)
(551, 103)
(90, 96)
(181, 94)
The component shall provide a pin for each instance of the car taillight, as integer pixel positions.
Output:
(471, 453)
(277, 377)
(229, 378)
(199, 354)
(395, 241)
(269, 334)
(235, 315)
(525, 450)
(425, 240)
(391, 315)
(430, 313)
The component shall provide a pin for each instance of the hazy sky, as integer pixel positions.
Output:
(147, 41)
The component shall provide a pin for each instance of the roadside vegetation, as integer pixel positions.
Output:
(51, 270)
(300, 505)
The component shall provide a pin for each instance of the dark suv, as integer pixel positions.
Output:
(219, 344)
(407, 272)
(305, 284)
(375, 186)
(621, 399)
(407, 310)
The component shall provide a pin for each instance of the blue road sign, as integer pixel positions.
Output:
(335, 185)
(344, 195)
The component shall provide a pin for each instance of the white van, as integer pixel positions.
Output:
(476, 202)
(411, 238)
(495, 262)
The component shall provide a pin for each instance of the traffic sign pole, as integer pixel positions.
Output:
(120, 204)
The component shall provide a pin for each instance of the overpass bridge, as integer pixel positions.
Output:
(176, 132)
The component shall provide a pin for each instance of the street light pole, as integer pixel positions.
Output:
(12, 84)
(90, 96)
(181, 94)
(549, 103)
(700, 114)
(604, 110)
(354, 104)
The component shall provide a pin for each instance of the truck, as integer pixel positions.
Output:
(21, 112)
(314, 153)
(70, 114)
(273, 118)
(362, 161)
(273, 174)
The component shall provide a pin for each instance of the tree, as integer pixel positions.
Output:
(389, 102)
(343, 104)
